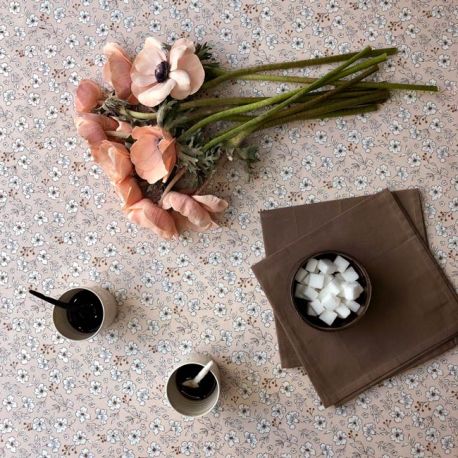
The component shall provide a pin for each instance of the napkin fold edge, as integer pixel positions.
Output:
(406, 363)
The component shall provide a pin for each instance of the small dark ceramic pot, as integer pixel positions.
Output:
(339, 323)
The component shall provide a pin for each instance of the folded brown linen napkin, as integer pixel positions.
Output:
(282, 226)
(413, 312)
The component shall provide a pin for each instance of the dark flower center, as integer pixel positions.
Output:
(162, 71)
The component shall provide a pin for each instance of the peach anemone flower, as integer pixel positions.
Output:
(93, 127)
(154, 153)
(157, 73)
(116, 71)
(146, 214)
(128, 191)
(194, 212)
(114, 160)
(88, 96)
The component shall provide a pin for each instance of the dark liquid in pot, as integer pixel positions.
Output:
(206, 386)
(85, 313)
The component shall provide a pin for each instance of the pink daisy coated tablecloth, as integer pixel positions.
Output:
(61, 225)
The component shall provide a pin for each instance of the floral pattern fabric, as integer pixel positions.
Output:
(61, 226)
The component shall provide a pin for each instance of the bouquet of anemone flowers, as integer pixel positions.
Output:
(151, 134)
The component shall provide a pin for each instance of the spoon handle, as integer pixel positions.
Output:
(51, 300)
(203, 372)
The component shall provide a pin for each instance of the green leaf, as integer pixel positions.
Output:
(249, 154)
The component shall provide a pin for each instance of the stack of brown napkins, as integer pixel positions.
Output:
(413, 315)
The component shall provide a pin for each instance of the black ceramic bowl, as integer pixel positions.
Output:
(339, 323)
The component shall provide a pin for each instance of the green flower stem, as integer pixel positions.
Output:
(316, 113)
(336, 93)
(237, 110)
(379, 96)
(313, 114)
(348, 83)
(227, 101)
(277, 78)
(349, 71)
(171, 184)
(217, 101)
(362, 85)
(340, 96)
(319, 96)
(396, 86)
(239, 118)
(362, 66)
(349, 93)
(185, 118)
(246, 128)
(294, 64)
(138, 114)
(292, 114)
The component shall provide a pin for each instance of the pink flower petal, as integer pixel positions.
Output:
(181, 47)
(153, 153)
(182, 223)
(189, 208)
(189, 44)
(142, 80)
(148, 160)
(139, 132)
(183, 87)
(132, 99)
(120, 78)
(116, 70)
(149, 57)
(192, 65)
(168, 149)
(87, 96)
(155, 94)
(211, 203)
(92, 126)
(146, 214)
(129, 191)
(114, 159)
(124, 127)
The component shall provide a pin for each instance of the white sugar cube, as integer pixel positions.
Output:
(328, 317)
(353, 305)
(340, 283)
(352, 290)
(333, 288)
(300, 275)
(330, 302)
(316, 281)
(311, 311)
(341, 263)
(342, 311)
(310, 293)
(327, 279)
(350, 274)
(326, 266)
(317, 306)
(299, 291)
(311, 265)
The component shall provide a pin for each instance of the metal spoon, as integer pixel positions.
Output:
(194, 382)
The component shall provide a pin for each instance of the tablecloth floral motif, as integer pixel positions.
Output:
(61, 225)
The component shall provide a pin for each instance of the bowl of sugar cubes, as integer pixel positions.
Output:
(331, 290)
